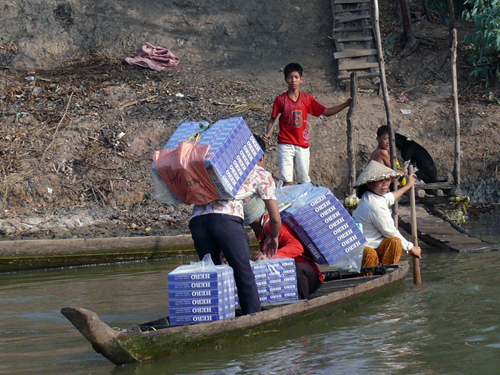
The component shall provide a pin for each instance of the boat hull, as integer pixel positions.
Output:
(122, 347)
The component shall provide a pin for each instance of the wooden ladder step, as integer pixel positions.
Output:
(350, 1)
(359, 9)
(360, 75)
(355, 42)
(355, 53)
(344, 19)
(353, 39)
(353, 65)
(352, 29)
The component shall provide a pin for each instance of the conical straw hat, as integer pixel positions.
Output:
(375, 171)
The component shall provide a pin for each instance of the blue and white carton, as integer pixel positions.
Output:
(324, 226)
(276, 280)
(233, 153)
(201, 292)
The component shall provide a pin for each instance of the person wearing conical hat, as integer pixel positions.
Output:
(385, 243)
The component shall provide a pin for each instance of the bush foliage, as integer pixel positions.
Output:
(486, 41)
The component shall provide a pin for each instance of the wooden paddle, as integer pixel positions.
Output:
(414, 234)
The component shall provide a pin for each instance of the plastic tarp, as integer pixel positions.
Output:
(183, 171)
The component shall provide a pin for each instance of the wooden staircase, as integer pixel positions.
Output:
(355, 44)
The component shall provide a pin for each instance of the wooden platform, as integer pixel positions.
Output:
(436, 193)
(439, 232)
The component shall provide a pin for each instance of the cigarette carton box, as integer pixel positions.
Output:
(197, 295)
(323, 225)
(276, 280)
(233, 153)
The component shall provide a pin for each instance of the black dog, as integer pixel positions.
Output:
(419, 157)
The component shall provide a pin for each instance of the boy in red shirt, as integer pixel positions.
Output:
(293, 136)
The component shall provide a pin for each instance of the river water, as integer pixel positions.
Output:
(448, 325)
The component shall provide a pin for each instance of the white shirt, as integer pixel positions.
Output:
(259, 181)
(375, 215)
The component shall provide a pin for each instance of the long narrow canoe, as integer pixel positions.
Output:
(157, 339)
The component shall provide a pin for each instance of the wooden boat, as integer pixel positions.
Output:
(157, 339)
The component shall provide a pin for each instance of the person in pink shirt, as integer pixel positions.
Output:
(218, 227)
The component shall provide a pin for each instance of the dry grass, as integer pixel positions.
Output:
(85, 133)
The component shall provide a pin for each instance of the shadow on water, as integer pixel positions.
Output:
(447, 325)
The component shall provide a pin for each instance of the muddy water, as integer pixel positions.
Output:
(448, 325)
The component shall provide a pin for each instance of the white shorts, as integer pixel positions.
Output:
(290, 158)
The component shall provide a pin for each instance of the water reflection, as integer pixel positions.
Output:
(447, 325)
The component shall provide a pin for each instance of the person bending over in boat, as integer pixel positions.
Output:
(385, 243)
(218, 227)
(309, 277)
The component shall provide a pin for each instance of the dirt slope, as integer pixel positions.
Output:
(77, 138)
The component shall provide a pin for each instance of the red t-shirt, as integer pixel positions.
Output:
(293, 119)
(290, 246)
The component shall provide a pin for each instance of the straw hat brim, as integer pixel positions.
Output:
(376, 171)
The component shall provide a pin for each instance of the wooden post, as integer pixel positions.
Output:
(411, 43)
(451, 10)
(456, 116)
(405, 11)
(270, 132)
(351, 160)
(426, 11)
(383, 83)
(414, 232)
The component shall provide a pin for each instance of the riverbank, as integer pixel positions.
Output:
(79, 126)
(28, 255)
(25, 255)
(36, 254)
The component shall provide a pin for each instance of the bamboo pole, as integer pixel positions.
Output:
(414, 233)
(351, 160)
(385, 93)
(456, 116)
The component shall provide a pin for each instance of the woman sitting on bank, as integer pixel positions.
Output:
(385, 243)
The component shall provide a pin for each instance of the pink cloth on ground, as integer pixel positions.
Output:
(156, 58)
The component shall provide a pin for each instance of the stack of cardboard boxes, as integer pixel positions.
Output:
(323, 225)
(197, 296)
(276, 280)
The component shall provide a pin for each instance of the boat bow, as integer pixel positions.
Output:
(99, 334)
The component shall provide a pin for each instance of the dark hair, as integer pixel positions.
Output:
(384, 129)
(261, 142)
(292, 67)
(360, 190)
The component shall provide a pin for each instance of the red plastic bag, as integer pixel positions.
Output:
(183, 170)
